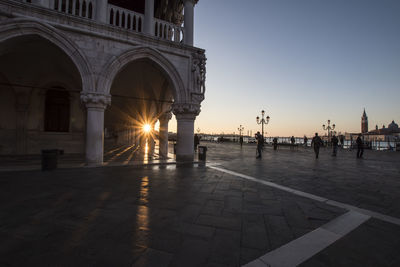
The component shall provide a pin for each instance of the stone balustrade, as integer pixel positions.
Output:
(124, 18)
(80, 8)
(116, 16)
(168, 31)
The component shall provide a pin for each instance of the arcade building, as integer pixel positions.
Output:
(79, 75)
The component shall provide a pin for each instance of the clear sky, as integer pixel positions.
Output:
(302, 61)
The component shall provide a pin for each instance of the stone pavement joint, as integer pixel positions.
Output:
(374, 214)
(303, 248)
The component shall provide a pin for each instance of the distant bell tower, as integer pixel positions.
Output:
(364, 123)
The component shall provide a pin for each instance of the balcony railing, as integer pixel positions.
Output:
(168, 31)
(117, 17)
(80, 8)
(124, 18)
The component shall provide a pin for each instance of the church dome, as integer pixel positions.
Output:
(393, 126)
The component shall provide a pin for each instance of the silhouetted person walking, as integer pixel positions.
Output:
(196, 141)
(335, 143)
(305, 141)
(275, 143)
(342, 141)
(260, 143)
(292, 142)
(317, 142)
(360, 146)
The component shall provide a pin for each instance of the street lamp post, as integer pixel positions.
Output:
(262, 121)
(328, 128)
(240, 129)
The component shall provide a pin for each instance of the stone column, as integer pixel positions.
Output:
(189, 21)
(22, 107)
(95, 105)
(149, 17)
(163, 135)
(151, 140)
(101, 10)
(185, 115)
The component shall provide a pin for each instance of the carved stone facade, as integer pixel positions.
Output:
(101, 67)
(95, 100)
(198, 77)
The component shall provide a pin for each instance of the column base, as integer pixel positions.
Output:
(185, 158)
(94, 164)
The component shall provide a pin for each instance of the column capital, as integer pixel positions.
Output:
(166, 116)
(95, 100)
(186, 110)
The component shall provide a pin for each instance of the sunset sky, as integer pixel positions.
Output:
(302, 61)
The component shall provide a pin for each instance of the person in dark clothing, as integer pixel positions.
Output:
(196, 141)
(342, 141)
(317, 142)
(335, 143)
(360, 146)
(260, 144)
(305, 141)
(292, 142)
(241, 141)
(275, 142)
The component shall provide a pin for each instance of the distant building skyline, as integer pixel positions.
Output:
(303, 62)
(364, 122)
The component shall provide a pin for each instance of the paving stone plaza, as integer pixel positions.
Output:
(285, 209)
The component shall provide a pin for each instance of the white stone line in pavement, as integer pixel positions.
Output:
(306, 246)
(373, 214)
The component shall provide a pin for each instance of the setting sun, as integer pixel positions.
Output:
(146, 128)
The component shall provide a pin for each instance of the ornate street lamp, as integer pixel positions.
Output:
(240, 129)
(262, 121)
(328, 128)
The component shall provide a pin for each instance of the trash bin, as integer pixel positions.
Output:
(49, 159)
(202, 152)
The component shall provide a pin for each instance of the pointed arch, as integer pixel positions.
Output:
(22, 27)
(118, 64)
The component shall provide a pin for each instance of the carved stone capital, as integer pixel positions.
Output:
(186, 110)
(95, 100)
(165, 117)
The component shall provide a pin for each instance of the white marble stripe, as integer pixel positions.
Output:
(281, 187)
(374, 214)
(306, 246)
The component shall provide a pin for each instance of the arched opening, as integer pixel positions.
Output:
(84, 8)
(90, 12)
(117, 19)
(123, 20)
(46, 87)
(70, 6)
(141, 93)
(134, 26)
(77, 8)
(112, 17)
